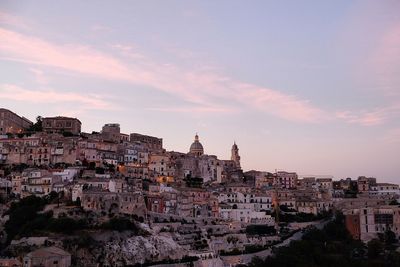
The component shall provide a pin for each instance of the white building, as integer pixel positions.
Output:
(244, 215)
(67, 175)
(38, 182)
(385, 189)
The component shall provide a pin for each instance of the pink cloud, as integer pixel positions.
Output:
(16, 93)
(204, 88)
(389, 48)
(363, 118)
(392, 136)
(285, 106)
(385, 61)
(80, 59)
(12, 20)
(39, 75)
(373, 117)
(195, 109)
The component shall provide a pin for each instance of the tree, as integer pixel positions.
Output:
(256, 261)
(92, 166)
(120, 224)
(388, 238)
(85, 162)
(258, 230)
(67, 133)
(23, 215)
(196, 182)
(375, 248)
(100, 170)
(38, 126)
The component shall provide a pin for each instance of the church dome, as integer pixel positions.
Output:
(196, 148)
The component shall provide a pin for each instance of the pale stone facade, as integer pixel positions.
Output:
(12, 123)
(37, 182)
(61, 124)
(48, 257)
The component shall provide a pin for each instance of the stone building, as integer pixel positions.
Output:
(48, 257)
(37, 182)
(99, 200)
(364, 184)
(111, 132)
(366, 223)
(61, 124)
(10, 262)
(285, 179)
(12, 123)
(385, 190)
(160, 165)
(151, 142)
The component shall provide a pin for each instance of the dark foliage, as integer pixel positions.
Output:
(37, 126)
(301, 217)
(120, 224)
(194, 182)
(257, 229)
(24, 217)
(27, 219)
(67, 134)
(66, 225)
(331, 246)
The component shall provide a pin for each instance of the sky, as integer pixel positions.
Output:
(305, 86)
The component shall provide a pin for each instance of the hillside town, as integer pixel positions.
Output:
(107, 198)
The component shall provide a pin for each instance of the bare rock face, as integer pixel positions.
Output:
(139, 249)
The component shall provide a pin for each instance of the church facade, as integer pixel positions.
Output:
(208, 167)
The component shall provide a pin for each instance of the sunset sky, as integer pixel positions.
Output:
(305, 86)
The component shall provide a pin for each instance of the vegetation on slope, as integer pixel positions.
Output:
(333, 246)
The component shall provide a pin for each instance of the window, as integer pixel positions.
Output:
(384, 219)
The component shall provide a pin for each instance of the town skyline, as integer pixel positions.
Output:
(200, 133)
(108, 181)
(196, 137)
(310, 87)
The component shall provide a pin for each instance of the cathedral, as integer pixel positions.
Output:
(198, 164)
(196, 148)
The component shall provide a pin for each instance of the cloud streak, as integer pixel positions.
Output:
(39, 75)
(208, 92)
(373, 117)
(12, 20)
(392, 136)
(16, 93)
(386, 60)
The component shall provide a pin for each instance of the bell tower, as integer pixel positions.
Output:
(235, 155)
